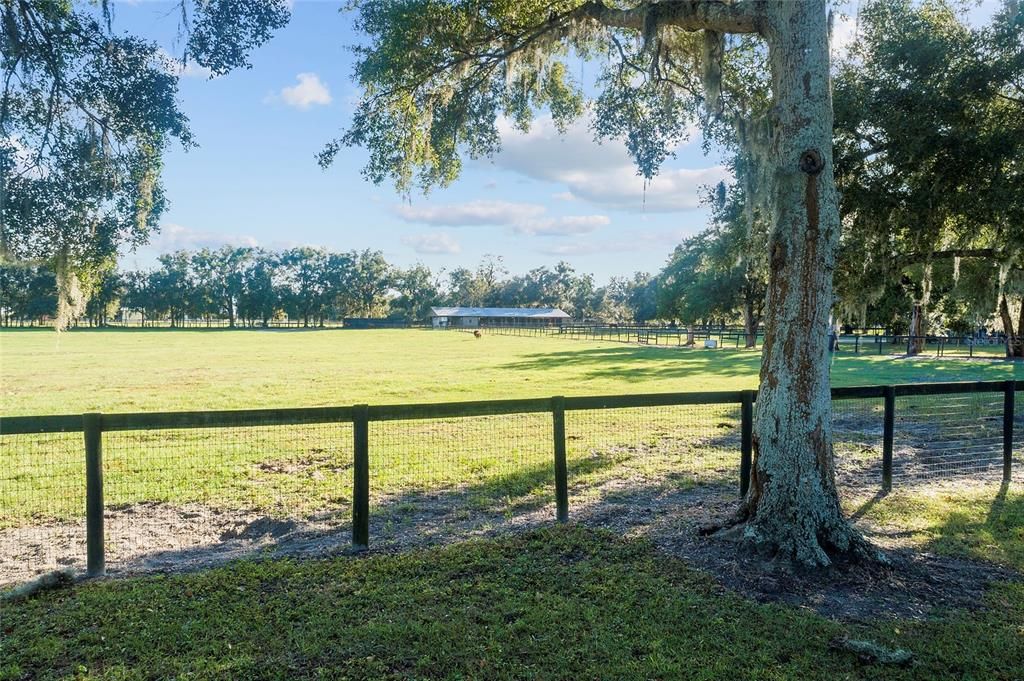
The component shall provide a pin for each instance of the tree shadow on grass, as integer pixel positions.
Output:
(641, 363)
(868, 504)
(666, 512)
(152, 536)
(997, 536)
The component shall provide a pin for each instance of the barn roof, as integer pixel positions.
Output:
(509, 312)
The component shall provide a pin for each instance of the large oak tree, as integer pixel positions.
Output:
(86, 114)
(930, 142)
(437, 75)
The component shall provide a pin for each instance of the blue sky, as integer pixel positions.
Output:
(254, 180)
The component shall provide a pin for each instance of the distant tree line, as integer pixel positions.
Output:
(253, 287)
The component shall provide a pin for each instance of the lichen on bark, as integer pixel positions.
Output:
(792, 507)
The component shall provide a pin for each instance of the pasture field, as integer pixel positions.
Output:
(544, 602)
(42, 372)
(180, 489)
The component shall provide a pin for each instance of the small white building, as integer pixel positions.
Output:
(475, 317)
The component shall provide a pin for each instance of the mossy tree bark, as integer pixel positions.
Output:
(792, 508)
(915, 344)
(751, 322)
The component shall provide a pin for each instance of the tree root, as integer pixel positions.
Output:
(738, 517)
(842, 542)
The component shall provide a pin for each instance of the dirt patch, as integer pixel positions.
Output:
(314, 466)
(155, 537)
(158, 537)
(914, 586)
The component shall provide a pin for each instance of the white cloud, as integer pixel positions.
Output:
(523, 218)
(174, 237)
(844, 32)
(436, 243)
(572, 224)
(475, 213)
(601, 173)
(621, 188)
(309, 91)
(641, 241)
(575, 248)
(563, 196)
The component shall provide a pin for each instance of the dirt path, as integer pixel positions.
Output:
(155, 537)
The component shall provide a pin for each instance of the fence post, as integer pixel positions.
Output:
(889, 426)
(746, 439)
(1009, 390)
(92, 427)
(561, 468)
(361, 476)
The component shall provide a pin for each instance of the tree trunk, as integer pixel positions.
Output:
(750, 323)
(915, 344)
(1019, 345)
(1014, 338)
(792, 507)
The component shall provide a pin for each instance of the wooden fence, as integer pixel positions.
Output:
(94, 425)
(728, 337)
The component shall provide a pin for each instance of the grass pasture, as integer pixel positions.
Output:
(138, 370)
(495, 466)
(558, 603)
(553, 602)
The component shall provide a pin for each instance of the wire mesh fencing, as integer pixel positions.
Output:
(445, 478)
(948, 436)
(660, 336)
(631, 468)
(193, 496)
(1018, 429)
(737, 338)
(857, 432)
(42, 504)
(615, 451)
(181, 490)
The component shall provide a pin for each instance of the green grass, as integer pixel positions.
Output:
(559, 603)
(296, 470)
(130, 370)
(981, 522)
(564, 602)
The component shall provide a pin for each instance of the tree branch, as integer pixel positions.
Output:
(688, 15)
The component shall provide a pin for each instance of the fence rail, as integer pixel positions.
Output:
(94, 426)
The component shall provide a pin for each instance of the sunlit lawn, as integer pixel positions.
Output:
(299, 469)
(558, 603)
(131, 370)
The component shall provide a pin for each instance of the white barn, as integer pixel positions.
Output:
(474, 317)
